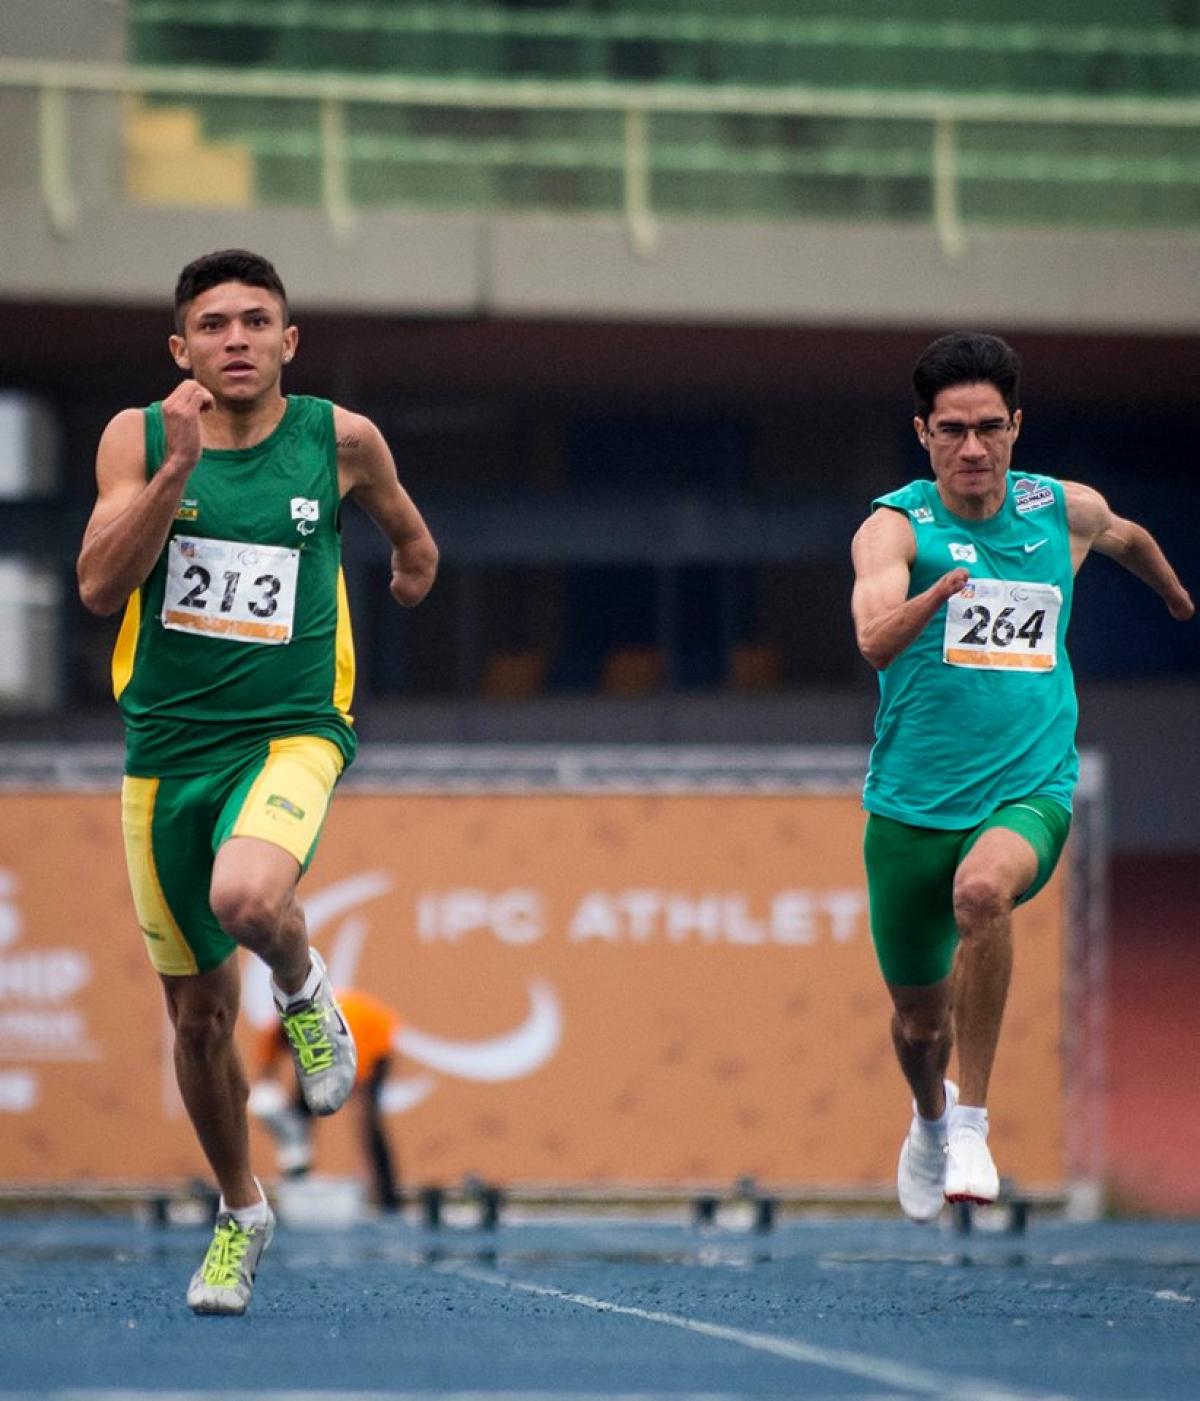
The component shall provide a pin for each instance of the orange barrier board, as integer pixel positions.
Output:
(594, 991)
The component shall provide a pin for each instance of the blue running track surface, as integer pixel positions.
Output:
(574, 1308)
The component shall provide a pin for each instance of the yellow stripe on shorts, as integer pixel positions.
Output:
(287, 802)
(169, 951)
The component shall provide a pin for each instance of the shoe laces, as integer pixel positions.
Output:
(226, 1254)
(309, 1036)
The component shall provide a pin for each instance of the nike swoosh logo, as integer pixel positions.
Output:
(1035, 545)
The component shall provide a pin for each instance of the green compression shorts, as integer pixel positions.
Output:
(174, 826)
(910, 883)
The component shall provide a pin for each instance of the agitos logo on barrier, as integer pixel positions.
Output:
(508, 1056)
(625, 988)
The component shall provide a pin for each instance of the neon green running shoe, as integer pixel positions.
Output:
(225, 1280)
(322, 1045)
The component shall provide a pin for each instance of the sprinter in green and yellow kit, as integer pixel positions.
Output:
(962, 596)
(217, 529)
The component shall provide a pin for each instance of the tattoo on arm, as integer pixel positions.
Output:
(349, 440)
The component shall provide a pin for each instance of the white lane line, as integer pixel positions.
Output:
(128, 1395)
(856, 1364)
(104, 1394)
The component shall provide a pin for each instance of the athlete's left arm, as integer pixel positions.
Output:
(1094, 526)
(367, 472)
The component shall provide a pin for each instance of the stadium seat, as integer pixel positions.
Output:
(514, 675)
(633, 671)
(755, 666)
(169, 161)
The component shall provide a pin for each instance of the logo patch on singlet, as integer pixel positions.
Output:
(965, 554)
(923, 515)
(187, 510)
(305, 513)
(1030, 496)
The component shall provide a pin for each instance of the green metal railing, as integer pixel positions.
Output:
(636, 155)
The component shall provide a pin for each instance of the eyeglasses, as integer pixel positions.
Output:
(990, 430)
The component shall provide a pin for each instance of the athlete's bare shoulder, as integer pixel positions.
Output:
(1088, 513)
(886, 533)
(121, 451)
(353, 431)
(127, 425)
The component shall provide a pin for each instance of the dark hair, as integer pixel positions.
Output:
(227, 265)
(966, 357)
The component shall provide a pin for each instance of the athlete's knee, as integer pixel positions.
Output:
(250, 912)
(923, 1016)
(982, 900)
(203, 1025)
(929, 1027)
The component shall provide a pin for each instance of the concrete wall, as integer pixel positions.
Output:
(62, 29)
(409, 264)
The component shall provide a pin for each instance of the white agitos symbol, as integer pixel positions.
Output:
(305, 513)
(510, 1056)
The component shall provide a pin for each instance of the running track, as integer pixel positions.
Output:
(642, 1310)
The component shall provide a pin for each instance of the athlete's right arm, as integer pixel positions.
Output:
(886, 620)
(132, 516)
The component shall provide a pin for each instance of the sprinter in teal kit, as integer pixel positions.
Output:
(962, 597)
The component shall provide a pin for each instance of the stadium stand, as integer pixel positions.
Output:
(739, 156)
(168, 160)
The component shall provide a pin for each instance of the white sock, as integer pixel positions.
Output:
(936, 1128)
(969, 1116)
(306, 993)
(247, 1217)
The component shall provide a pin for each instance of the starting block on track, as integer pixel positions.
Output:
(744, 1209)
(475, 1206)
(194, 1206)
(1008, 1215)
(318, 1203)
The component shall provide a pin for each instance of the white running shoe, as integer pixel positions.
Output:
(225, 1279)
(921, 1171)
(322, 1045)
(970, 1173)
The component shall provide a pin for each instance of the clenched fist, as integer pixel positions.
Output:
(181, 420)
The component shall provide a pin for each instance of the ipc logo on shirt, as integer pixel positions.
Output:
(305, 513)
(964, 553)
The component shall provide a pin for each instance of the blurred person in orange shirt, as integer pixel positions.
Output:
(373, 1024)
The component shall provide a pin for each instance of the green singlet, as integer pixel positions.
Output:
(241, 633)
(980, 710)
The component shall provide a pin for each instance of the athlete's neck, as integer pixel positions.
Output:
(973, 508)
(242, 425)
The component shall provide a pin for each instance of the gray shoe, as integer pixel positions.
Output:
(225, 1280)
(921, 1171)
(322, 1045)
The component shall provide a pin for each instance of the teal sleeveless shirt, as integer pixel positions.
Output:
(980, 709)
(241, 633)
